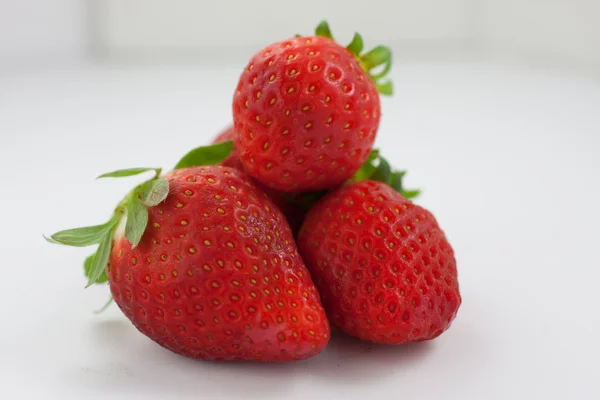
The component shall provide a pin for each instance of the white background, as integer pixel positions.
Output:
(505, 149)
(555, 32)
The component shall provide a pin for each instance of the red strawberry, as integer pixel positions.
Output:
(306, 111)
(385, 271)
(232, 160)
(216, 274)
(293, 207)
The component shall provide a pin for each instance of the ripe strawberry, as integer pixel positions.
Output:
(208, 268)
(293, 207)
(232, 160)
(306, 111)
(385, 271)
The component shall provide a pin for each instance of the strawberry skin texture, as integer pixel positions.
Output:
(294, 214)
(217, 275)
(385, 271)
(306, 115)
(232, 160)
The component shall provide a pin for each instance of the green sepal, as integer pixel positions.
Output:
(100, 259)
(380, 56)
(137, 219)
(385, 88)
(383, 172)
(147, 194)
(410, 194)
(377, 168)
(356, 45)
(105, 306)
(121, 173)
(377, 56)
(154, 192)
(82, 237)
(87, 267)
(323, 30)
(206, 155)
(396, 183)
(368, 168)
(396, 180)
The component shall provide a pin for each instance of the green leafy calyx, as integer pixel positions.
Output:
(134, 208)
(122, 173)
(82, 237)
(206, 155)
(132, 211)
(99, 260)
(323, 30)
(105, 306)
(87, 270)
(378, 58)
(377, 168)
(137, 219)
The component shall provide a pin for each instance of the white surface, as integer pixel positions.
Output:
(508, 161)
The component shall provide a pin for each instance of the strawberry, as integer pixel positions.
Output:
(233, 160)
(306, 111)
(204, 264)
(294, 207)
(383, 266)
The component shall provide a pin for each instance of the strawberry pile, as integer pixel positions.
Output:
(252, 246)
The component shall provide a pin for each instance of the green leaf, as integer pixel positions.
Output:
(386, 68)
(120, 173)
(154, 191)
(383, 172)
(364, 172)
(206, 155)
(377, 56)
(373, 155)
(396, 184)
(323, 30)
(385, 88)
(380, 56)
(367, 169)
(137, 219)
(87, 267)
(50, 240)
(82, 237)
(105, 307)
(100, 259)
(410, 194)
(356, 45)
(396, 180)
